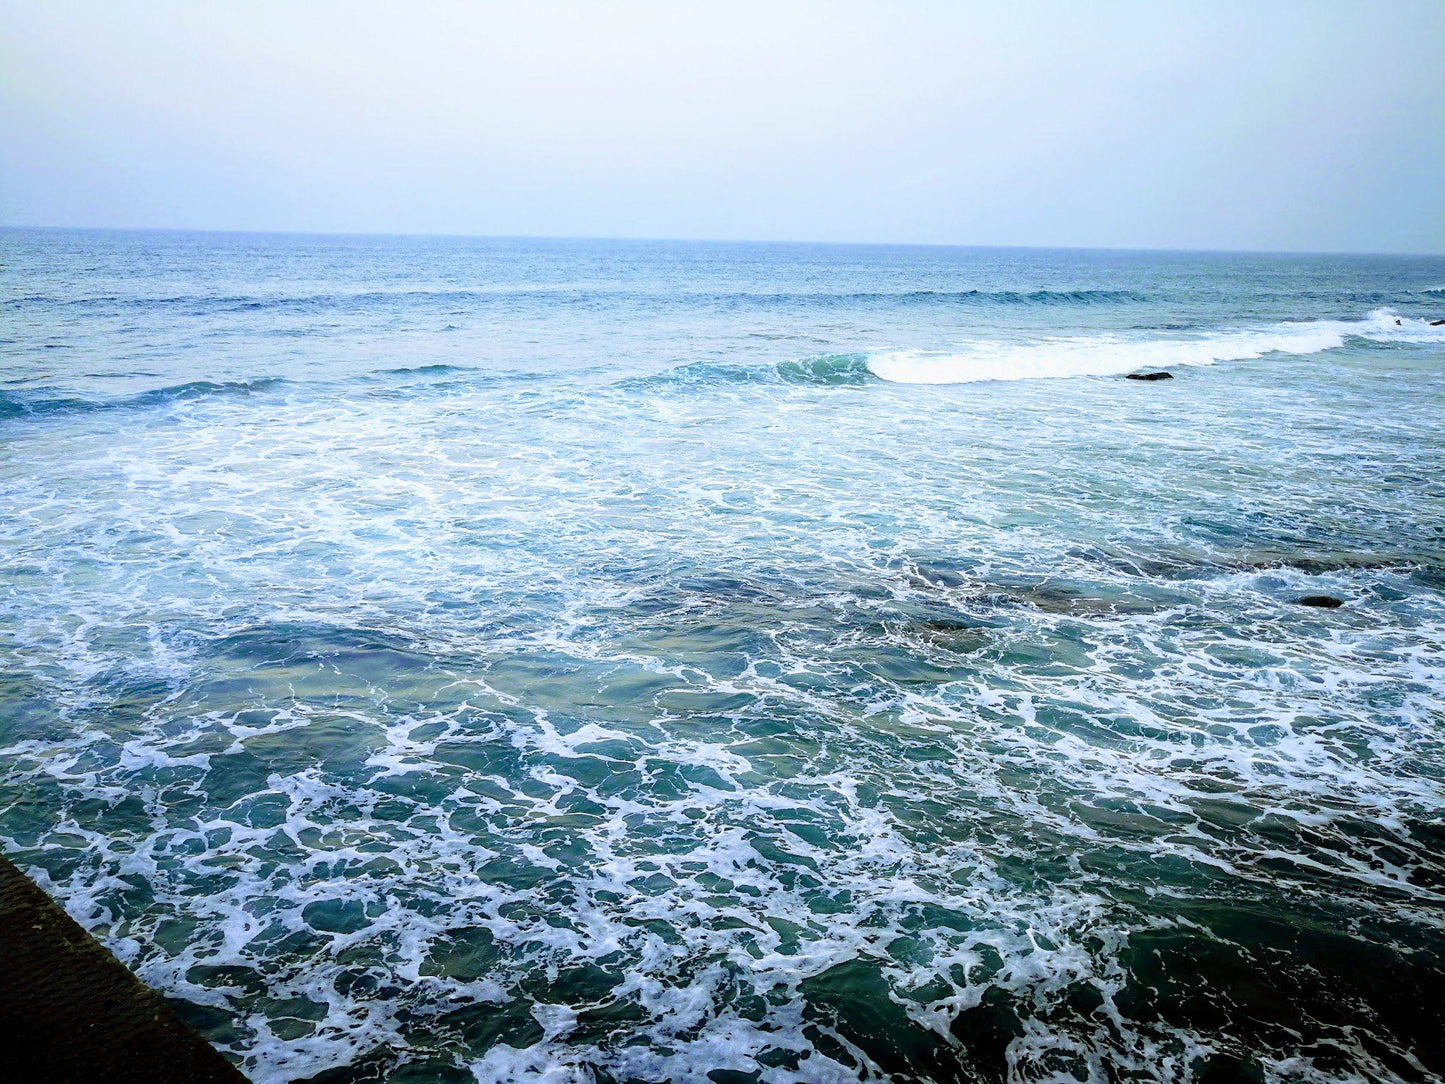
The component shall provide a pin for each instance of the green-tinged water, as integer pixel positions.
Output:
(432, 660)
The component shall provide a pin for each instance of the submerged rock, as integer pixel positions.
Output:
(1150, 376)
(1327, 602)
(1319, 562)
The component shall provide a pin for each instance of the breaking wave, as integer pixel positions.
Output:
(1094, 355)
(1108, 355)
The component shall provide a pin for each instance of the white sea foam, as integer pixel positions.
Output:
(1113, 354)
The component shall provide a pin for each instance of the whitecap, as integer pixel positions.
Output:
(1114, 354)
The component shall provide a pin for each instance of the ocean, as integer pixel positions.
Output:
(435, 659)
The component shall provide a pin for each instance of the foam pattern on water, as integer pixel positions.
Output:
(764, 719)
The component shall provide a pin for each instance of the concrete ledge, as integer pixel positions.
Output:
(71, 1012)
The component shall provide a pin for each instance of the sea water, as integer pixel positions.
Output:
(431, 659)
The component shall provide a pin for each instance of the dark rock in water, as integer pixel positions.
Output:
(1150, 376)
(1437, 323)
(1327, 602)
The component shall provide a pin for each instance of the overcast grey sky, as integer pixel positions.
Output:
(1263, 125)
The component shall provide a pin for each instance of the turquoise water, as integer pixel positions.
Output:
(449, 660)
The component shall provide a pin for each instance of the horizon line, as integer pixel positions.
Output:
(633, 239)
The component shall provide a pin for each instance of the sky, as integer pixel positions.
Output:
(1264, 125)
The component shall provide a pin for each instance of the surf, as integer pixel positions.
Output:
(1113, 354)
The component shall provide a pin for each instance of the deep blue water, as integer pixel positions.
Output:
(432, 659)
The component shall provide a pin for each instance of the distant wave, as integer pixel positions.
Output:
(44, 401)
(200, 304)
(981, 297)
(1105, 355)
(436, 368)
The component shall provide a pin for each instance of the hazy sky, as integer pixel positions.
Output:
(1203, 125)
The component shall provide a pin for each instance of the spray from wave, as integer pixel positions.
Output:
(1110, 355)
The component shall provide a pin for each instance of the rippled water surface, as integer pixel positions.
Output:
(441, 660)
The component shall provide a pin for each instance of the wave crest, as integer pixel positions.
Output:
(46, 401)
(829, 371)
(832, 370)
